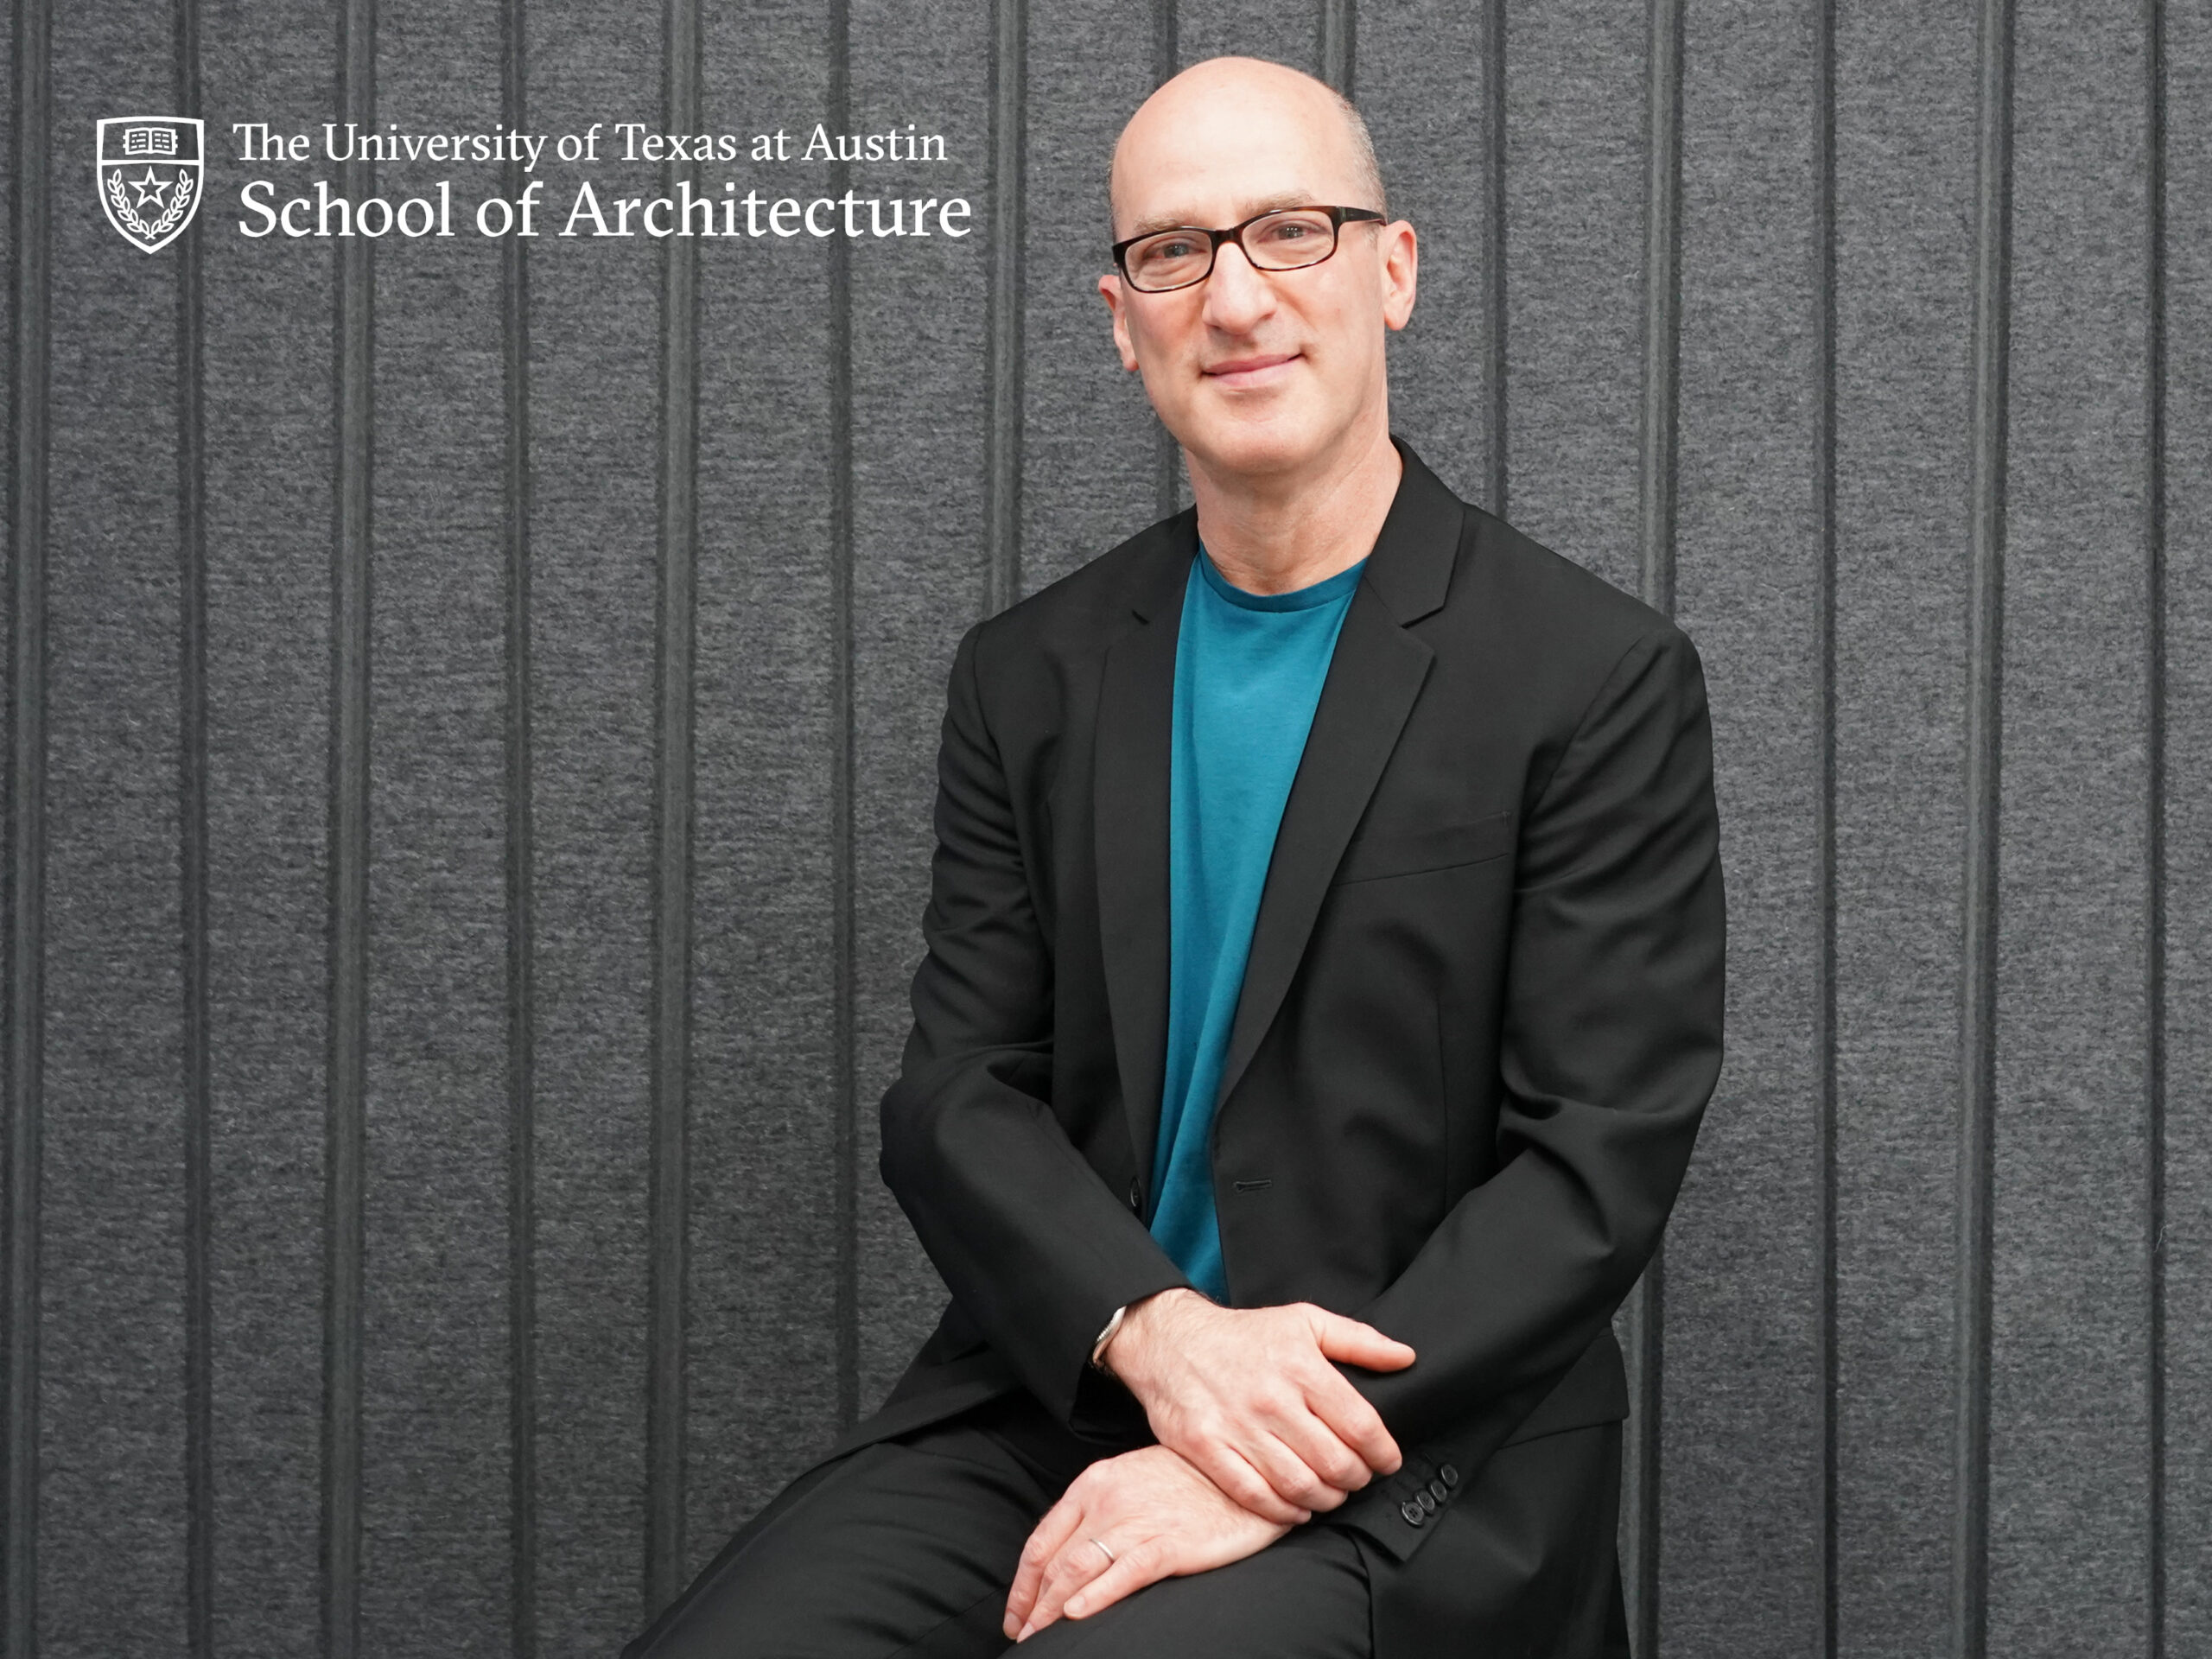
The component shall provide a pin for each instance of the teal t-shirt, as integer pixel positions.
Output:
(1248, 669)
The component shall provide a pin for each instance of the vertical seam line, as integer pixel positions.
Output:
(844, 762)
(1661, 303)
(1983, 781)
(30, 292)
(1662, 315)
(1494, 226)
(2155, 826)
(1826, 1580)
(1167, 452)
(192, 859)
(1002, 464)
(521, 857)
(346, 1084)
(1339, 43)
(668, 1220)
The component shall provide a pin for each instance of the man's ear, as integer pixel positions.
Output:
(1109, 290)
(1401, 269)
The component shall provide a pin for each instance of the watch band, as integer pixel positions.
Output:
(1098, 1347)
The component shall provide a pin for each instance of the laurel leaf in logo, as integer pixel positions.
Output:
(154, 232)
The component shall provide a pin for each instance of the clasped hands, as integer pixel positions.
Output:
(1257, 1431)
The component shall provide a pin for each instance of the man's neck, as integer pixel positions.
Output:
(1272, 534)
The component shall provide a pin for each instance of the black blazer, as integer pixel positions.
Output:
(1478, 1027)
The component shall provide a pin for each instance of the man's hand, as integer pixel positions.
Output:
(1248, 1395)
(1155, 1517)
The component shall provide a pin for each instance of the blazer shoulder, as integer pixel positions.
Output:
(1551, 607)
(1081, 611)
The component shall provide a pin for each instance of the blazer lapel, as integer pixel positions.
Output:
(1137, 702)
(1374, 675)
(1373, 678)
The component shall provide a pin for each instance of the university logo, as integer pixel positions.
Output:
(150, 176)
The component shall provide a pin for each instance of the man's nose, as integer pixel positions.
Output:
(1237, 292)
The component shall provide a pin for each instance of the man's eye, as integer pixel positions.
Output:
(1181, 248)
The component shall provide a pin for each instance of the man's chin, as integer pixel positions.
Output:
(1257, 444)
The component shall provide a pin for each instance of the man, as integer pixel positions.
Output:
(1323, 990)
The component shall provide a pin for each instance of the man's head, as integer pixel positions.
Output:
(1225, 139)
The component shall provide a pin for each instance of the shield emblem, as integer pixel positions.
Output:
(150, 176)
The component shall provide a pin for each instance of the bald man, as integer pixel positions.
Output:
(1322, 992)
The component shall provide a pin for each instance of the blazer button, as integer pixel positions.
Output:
(1451, 1475)
(1437, 1489)
(1136, 1196)
(1412, 1511)
(1426, 1501)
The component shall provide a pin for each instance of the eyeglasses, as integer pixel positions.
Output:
(1283, 238)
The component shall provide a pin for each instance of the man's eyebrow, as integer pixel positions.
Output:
(1264, 204)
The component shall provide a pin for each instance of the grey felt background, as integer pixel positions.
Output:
(623, 1263)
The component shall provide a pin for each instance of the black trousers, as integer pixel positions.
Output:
(907, 1548)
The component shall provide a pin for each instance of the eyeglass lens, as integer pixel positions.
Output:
(1281, 241)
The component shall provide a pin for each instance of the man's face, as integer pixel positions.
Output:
(1257, 373)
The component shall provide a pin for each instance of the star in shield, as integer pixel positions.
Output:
(149, 188)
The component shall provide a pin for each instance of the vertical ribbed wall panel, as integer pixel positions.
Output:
(763, 1344)
(269, 372)
(2069, 1440)
(594, 443)
(1904, 272)
(1575, 123)
(1577, 110)
(2184, 381)
(466, 845)
(23, 487)
(1423, 83)
(111, 1199)
(1089, 439)
(437, 1377)
(1740, 1528)
(1284, 31)
(927, 552)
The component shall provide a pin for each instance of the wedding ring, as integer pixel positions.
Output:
(1107, 1553)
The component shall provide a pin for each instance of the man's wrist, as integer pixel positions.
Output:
(1127, 1318)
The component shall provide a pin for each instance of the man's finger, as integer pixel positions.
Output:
(1079, 1564)
(1359, 1345)
(1353, 1420)
(1245, 1485)
(1045, 1540)
(1135, 1567)
(1341, 1469)
(1294, 1478)
(1064, 1576)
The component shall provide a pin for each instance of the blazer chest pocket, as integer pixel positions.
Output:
(1375, 853)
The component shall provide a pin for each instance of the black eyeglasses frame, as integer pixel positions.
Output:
(1338, 218)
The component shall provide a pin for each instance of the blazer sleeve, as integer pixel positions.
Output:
(1035, 1247)
(1610, 1048)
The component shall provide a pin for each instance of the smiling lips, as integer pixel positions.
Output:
(1250, 371)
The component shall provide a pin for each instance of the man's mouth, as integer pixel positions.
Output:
(1255, 371)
